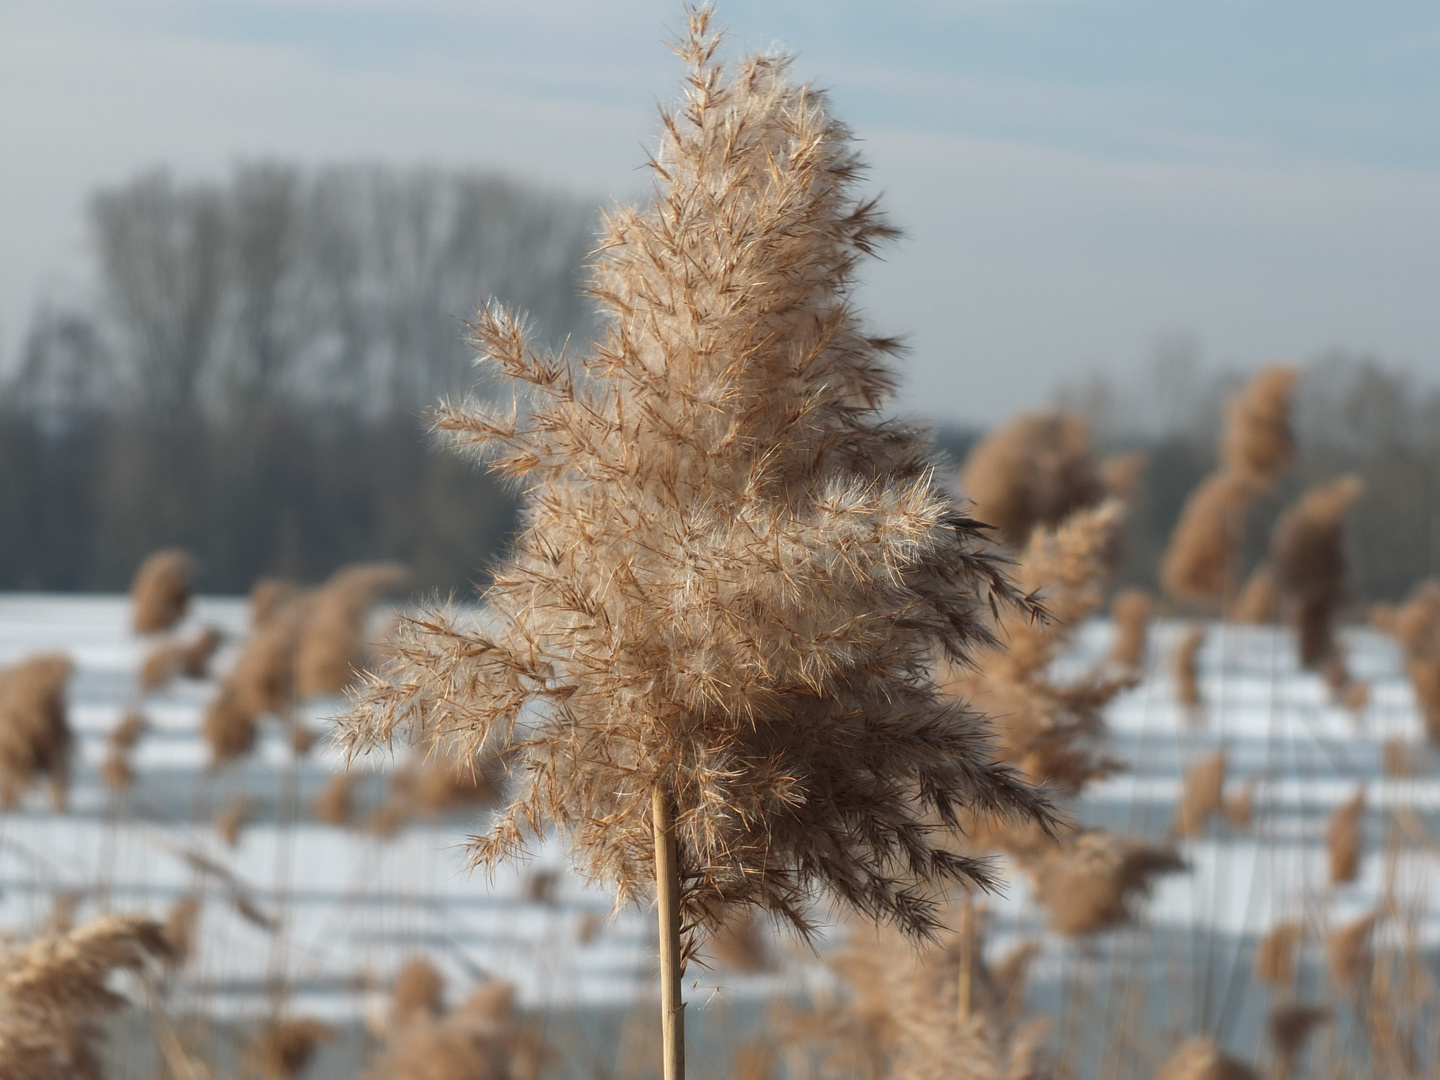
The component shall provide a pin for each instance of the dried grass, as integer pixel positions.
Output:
(54, 993)
(479, 1040)
(160, 592)
(1200, 1058)
(1343, 838)
(181, 922)
(330, 648)
(1131, 611)
(1184, 670)
(1122, 473)
(336, 802)
(1093, 882)
(1275, 955)
(1240, 804)
(283, 1048)
(1347, 951)
(734, 572)
(1201, 795)
(1291, 1025)
(233, 817)
(1202, 561)
(417, 992)
(1258, 441)
(1416, 626)
(1259, 600)
(1038, 469)
(1307, 551)
(229, 729)
(740, 945)
(35, 736)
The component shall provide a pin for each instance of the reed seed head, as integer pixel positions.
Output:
(160, 592)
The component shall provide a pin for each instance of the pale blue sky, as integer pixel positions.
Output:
(1077, 179)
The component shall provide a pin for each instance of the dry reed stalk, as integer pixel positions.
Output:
(116, 773)
(734, 574)
(1037, 469)
(1307, 551)
(35, 736)
(1093, 882)
(329, 652)
(127, 734)
(1276, 952)
(1184, 669)
(160, 592)
(1122, 473)
(1291, 1025)
(1131, 611)
(1347, 951)
(1258, 440)
(53, 994)
(1202, 560)
(173, 658)
(336, 801)
(417, 992)
(1240, 806)
(1258, 602)
(1201, 794)
(181, 922)
(283, 1048)
(1416, 626)
(1343, 838)
(233, 817)
(1200, 1058)
(198, 652)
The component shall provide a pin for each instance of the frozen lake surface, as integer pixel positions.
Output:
(329, 913)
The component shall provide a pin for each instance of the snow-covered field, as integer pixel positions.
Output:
(330, 913)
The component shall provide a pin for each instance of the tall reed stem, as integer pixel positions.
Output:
(967, 940)
(667, 891)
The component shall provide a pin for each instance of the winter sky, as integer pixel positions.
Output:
(1079, 179)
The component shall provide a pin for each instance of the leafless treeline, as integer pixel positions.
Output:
(249, 377)
(1351, 415)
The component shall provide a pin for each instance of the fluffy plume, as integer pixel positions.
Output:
(1258, 441)
(1202, 559)
(1131, 611)
(1259, 601)
(35, 737)
(269, 596)
(53, 994)
(1290, 1028)
(1036, 470)
(1347, 951)
(1343, 838)
(1307, 552)
(329, 651)
(1200, 1058)
(1122, 473)
(283, 1048)
(1202, 794)
(160, 592)
(733, 574)
(418, 991)
(229, 729)
(1184, 670)
(1093, 883)
(1275, 954)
